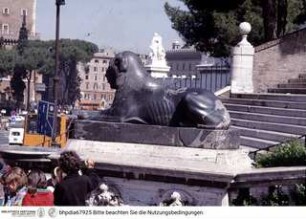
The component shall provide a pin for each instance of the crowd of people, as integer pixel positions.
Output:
(70, 185)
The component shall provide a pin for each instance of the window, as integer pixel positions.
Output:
(96, 61)
(87, 85)
(24, 11)
(96, 77)
(103, 86)
(95, 97)
(104, 61)
(95, 69)
(103, 78)
(5, 29)
(86, 77)
(95, 87)
(6, 11)
(102, 69)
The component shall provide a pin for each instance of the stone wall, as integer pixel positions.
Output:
(279, 60)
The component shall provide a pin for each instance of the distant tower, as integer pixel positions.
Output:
(176, 45)
(23, 35)
(11, 17)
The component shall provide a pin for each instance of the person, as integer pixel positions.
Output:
(56, 177)
(37, 193)
(15, 181)
(3, 170)
(74, 188)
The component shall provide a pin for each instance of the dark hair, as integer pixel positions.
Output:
(16, 174)
(70, 162)
(36, 180)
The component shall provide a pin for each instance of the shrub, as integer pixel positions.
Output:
(288, 154)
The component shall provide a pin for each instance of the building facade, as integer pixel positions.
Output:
(192, 68)
(11, 17)
(95, 90)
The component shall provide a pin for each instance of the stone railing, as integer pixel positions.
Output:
(259, 183)
(152, 175)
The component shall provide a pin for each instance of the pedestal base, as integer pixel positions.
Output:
(156, 135)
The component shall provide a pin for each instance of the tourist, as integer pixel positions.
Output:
(56, 177)
(3, 170)
(37, 193)
(74, 188)
(15, 181)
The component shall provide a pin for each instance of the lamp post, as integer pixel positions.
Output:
(58, 4)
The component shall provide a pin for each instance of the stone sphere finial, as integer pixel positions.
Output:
(245, 28)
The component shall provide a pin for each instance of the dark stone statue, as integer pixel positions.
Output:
(140, 99)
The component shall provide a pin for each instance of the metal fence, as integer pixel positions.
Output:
(212, 78)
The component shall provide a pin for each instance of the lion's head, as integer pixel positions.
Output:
(126, 70)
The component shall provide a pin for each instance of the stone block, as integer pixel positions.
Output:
(157, 135)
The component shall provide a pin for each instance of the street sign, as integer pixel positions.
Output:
(40, 87)
(45, 118)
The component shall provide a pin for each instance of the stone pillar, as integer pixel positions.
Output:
(242, 63)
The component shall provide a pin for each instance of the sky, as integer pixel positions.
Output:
(119, 24)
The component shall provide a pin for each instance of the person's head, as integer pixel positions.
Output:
(70, 162)
(36, 180)
(15, 179)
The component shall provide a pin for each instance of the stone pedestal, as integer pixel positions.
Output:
(242, 63)
(158, 71)
(146, 175)
(156, 135)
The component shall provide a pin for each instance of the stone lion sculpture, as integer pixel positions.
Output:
(140, 99)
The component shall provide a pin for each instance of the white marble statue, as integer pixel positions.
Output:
(157, 52)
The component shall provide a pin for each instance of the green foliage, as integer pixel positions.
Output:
(7, 62)
(292, 153)
(212, 25)
(276, 197)
(299, 194)
(40, 56)
(288, 154)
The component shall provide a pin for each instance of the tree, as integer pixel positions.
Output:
(73, 52)
(7, 60)
(212, 25)
(39, 56)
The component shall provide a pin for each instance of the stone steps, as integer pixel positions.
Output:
(265, 103)
(291, 86)
(256, 142)
(299, 121)
(264, 134)
(297, 80)
(266, 110)
(276, 127)
(272, 96)
(267, 119)
(302, 76)
(287, 90)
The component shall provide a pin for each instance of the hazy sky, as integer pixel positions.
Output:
(121, 24)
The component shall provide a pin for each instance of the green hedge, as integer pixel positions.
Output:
(288, 154)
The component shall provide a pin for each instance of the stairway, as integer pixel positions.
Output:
(269, 118)
(296, 86)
